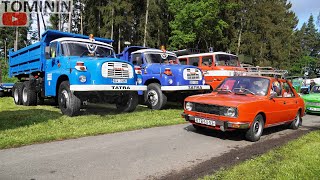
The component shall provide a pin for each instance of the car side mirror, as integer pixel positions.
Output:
(273, 95)
(47, 52)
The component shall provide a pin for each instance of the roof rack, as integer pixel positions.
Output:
(265, 71)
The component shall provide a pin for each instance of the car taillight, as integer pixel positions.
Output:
(137, 69)
(167, 72)
(80, 66)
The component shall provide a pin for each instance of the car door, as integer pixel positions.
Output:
(277, 105)
(290, 101)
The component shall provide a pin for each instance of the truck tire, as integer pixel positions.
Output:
(255, 131)
(17, 93)
(154, 97)
(127, 102)
(2, 94)
(69, 103)
(29, 95)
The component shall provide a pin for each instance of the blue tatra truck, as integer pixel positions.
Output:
(74, 69)
(165, 77)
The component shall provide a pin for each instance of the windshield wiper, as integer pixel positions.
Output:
(223, 90)
(243, 90)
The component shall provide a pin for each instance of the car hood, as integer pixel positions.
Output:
(230, 99)
(312, 97)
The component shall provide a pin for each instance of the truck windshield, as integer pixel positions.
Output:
(86, 49)
(161, 58)
(226, 60)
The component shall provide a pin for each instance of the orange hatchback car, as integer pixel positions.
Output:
(246, 102)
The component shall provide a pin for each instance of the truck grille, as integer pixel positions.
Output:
(206, 108)
(192, 74)
(117, 70)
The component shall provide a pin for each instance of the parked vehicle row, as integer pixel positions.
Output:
(75, 69)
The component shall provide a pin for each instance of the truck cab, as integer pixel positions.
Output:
(74, 69)
(216, 66)
(166, 79)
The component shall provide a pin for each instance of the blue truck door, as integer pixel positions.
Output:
(51, 70)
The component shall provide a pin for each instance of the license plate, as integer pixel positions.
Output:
(205, 121)
(119, 80)
(314, 109)
(193, 82)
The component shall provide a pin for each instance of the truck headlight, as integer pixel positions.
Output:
(170, 81)
(230, 112)
(189, 106)
(139, 80)
(82, 78)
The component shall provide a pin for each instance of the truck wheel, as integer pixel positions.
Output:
(255, 131)
(127, 102)
(154, 97)
(296, 122)
(17, 93)
(1, 94)
(69, 103)
(29, 95)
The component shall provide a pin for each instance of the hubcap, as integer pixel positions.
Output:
(297, 120)
(16, 95)
(64, 98)
(257, 127)
(24, 95)
(153, 97)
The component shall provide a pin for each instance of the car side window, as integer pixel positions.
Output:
(276, 88)
(136, 59)
(287, 90)
(194, 61)
(53, 49)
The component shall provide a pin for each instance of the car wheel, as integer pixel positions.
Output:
(255, 131)
(29, 95)
(69, 103)
(154, 97)
(197, 127)
(296, 122)
(127, 102)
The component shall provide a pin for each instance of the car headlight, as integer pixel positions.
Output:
(82, 78)
(170, 81)
(189, 106)
(139, 80)
(230, 112)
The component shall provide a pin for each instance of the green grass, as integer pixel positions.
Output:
(299, 159)
(22, 125)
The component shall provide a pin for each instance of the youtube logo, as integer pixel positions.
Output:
(13, 19)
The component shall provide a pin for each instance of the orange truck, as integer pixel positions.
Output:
(216, 66)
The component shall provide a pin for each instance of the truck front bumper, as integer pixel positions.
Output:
(108, 88)
(223, 125)
(183, 88)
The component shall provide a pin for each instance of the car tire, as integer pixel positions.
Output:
(128, 102)
(69, 103)
(197, 127)
(28, 94)
(17, 93)
(296, 122)
(154, 97)
(256, 129)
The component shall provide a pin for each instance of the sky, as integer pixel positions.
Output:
(304, 8)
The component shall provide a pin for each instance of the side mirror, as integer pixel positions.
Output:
(47, 52)
(273, 95)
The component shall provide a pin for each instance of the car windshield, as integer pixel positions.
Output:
(245, 85)
(315, 89)
(70, 48)
(161, 58)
